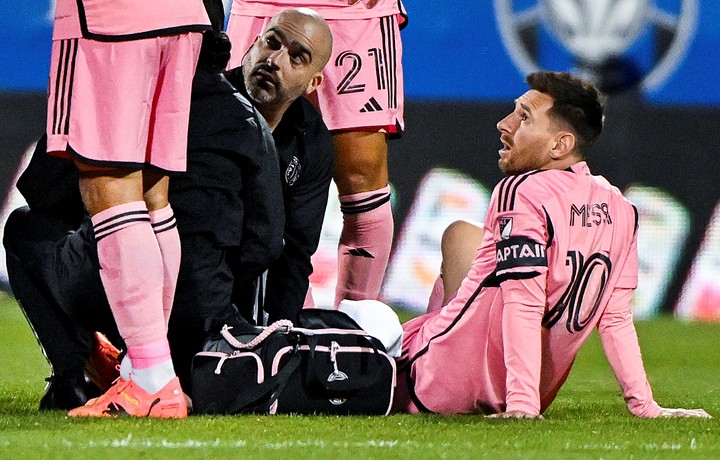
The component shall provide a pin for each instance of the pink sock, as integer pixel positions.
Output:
(165, 227)
(365, 244)
(132, 273)
(149, 354)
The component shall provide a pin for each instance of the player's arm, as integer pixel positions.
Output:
(620, 342)
(521, 240)
(524, 301)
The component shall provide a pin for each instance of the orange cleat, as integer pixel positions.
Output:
(126, 398)
(102, 367)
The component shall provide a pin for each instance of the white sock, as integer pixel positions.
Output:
(125, 367)
(154, 378)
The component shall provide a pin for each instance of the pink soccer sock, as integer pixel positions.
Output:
(149, 354)
(365, 243)
(165, 228)
(132, 274)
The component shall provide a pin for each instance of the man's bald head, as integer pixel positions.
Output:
(314, 25)
(286, 60)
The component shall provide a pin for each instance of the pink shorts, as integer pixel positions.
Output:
(122, 104)
(363, 80)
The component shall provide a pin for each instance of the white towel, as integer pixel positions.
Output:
(378, 320)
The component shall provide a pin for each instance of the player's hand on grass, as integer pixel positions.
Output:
(515, 414)
(667, 413)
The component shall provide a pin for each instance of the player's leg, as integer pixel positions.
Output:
(167, 147)
(459, 244)
(109, 140)
(361, 101)
(361, 176)
(131, 271)
(164, 225)
(130, 263)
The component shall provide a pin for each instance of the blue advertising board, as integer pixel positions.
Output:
(480, 50)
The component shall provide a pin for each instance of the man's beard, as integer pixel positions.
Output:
(259, 95)
(255, 86)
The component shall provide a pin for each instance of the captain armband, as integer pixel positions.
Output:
(520, 254)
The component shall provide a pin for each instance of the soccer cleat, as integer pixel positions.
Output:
(102, 365)
(126, 398)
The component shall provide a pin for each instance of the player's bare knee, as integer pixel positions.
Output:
(155, 187)
(461, 233)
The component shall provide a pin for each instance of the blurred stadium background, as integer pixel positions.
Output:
(464, 64)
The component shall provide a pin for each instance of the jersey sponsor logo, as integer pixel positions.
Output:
(505, 225)
(519, 251)
(292, 172)
(615, 43)
(591, 214)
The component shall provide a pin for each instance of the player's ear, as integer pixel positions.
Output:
(314, 83)
(564, 145)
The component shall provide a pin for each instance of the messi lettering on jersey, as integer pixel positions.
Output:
(592, 214)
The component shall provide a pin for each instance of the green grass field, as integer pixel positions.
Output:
(588, 419)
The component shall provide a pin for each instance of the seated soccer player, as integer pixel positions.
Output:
(555, 259)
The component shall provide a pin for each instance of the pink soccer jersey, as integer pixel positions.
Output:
(558, 258)
(113, 20)
(329, 9)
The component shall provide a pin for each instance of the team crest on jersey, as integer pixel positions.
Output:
(505, 224)
(292, 173)
(617, 44)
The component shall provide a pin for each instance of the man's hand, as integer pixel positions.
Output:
(368, 3)
(667, 413)
(515, 414)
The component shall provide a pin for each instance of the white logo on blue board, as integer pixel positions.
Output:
(603, 37)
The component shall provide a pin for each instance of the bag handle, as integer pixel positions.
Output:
(262, 396)
(225, 332)
(356, 382)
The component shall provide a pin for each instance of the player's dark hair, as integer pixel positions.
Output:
(577, 103)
